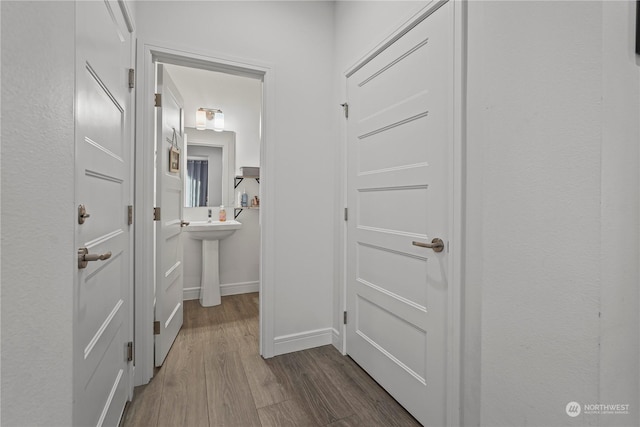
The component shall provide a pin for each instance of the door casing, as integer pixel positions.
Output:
(148, 54)
(456, 232)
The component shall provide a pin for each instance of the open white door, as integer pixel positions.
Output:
(103, 303)
(169, 188)
(400, 136)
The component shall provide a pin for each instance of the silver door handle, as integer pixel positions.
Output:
(82, 214)
(436, 244)
(84, 257)
(184, 223)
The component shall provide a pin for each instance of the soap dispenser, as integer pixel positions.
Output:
(245, 199)
(223, 214)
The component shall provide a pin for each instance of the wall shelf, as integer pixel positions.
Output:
(239, 179)
(238, 211)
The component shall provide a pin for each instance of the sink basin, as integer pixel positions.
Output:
(210, 233)
(214, 230)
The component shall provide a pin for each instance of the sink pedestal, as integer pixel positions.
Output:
(210, 283)
(210, 233)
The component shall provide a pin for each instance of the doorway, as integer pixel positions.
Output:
(150, 56)
(221, 167)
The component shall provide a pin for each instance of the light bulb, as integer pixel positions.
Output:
(218, 121)
(201, 119)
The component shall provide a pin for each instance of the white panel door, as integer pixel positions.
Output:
(103, 303)
(169, 188)
(400, 136)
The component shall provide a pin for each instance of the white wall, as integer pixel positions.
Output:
(535, 108)
(620, 212)
(296, 38)
(553, 210)
(38, 68)
(239, 98)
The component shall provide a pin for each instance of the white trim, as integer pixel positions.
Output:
(417, 18)
(458, 174)
(107, 405)
(239, 288)
(144, 230)
(107, 322)
(344, 229)
(149, 52)
(172, 315)
(225, 290)
(302, 341)
(336, 340)
(132, 191)
(456, 265)
(267, 218)
(128, 18)
(191, 293)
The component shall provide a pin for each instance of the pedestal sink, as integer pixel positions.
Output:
(211, 233)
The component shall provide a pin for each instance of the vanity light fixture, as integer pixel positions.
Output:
(204, 114)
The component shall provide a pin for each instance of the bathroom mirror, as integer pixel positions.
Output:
(209, 163)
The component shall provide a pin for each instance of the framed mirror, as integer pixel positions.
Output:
(209, 163)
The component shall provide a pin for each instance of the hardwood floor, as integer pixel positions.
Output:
(214, 376)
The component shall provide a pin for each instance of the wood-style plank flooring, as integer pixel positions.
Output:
(214, 376)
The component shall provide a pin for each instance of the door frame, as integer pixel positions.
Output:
(456, 205)
(150, 52)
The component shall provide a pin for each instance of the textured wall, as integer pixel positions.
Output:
(544, 164)
(37, 212)
(619, 305)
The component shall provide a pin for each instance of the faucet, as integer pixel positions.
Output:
(209, 220)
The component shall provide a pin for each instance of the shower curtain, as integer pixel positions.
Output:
(197, 183)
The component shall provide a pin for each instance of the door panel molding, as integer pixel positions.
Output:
(103, 289)
(455, 175)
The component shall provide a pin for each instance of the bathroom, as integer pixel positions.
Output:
(240, 100)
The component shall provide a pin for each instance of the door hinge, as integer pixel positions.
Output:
(346, 214)
(345, 107)
(156, 214)
(156, 327)
(130, 351)
(132, 78)
(130, 214)
(158, 100)
(344, 319)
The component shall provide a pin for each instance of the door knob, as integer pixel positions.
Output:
(184, 223)
(84, 257)
(436, 244)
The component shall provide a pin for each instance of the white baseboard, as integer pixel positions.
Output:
(191, 293)
(239, 288)
(302, 341)
(225, 289)
(336, 340)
